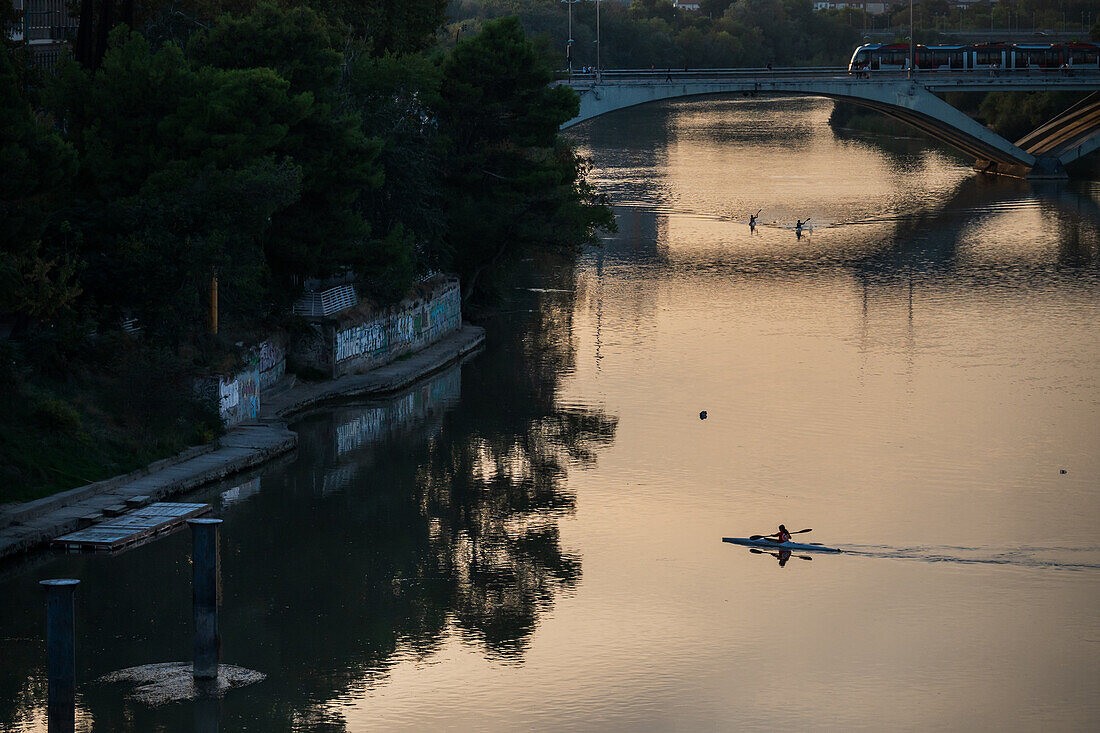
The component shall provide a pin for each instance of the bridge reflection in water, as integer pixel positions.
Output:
(909, 98)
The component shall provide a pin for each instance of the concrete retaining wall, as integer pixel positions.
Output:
(271, 357)
(411, 327)
(356, 342)
(238, 395)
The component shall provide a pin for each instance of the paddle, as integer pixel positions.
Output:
(763, 536)
(776, 554)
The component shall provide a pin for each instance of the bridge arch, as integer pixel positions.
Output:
(908, 100)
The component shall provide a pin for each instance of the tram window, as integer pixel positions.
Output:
(1083, 56)
(988, 56)
(1043, 58)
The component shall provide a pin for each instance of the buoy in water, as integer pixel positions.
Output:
(703, 416)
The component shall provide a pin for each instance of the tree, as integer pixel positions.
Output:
(324, 230)
(391, 26)
(508, 181)
(396, 97)
(186, 182)
(662, 9)
(36, 281)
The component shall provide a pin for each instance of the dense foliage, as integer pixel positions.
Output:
(267, 146)
(644, 33)
(739, 33)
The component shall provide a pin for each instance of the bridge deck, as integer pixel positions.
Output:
(978, 80)
(908, 96)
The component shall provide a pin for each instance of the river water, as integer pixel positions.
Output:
(532, 540)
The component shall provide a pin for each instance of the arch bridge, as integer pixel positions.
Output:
(909, 98)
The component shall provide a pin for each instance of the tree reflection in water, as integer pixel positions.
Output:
(445, 523)
(493, 485)
(396, 526)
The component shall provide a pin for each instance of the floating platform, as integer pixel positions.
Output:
(117, 533)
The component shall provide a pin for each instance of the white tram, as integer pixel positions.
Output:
(1001, 56)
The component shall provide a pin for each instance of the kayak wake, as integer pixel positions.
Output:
(1087, 558)
(1057, 558)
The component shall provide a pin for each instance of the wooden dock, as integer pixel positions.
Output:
(137, 526)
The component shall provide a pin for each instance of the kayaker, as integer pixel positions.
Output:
(782, 535)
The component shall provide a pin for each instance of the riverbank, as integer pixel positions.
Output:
(28, 525)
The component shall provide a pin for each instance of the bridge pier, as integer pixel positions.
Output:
(1044, 169)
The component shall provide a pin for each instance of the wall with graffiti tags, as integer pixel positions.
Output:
(237, 395)
(412, 326)
(271, 357)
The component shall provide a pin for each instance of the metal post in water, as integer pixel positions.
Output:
(207, 711)
(206, 563)
(60, 654)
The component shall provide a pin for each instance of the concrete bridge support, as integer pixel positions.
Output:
(1069, 136)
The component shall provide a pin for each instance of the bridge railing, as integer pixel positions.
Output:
(587, 79)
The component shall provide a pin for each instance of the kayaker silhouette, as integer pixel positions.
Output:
(782, 535)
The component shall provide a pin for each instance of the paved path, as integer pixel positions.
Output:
(31, 524)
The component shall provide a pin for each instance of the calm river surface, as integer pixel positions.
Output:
(532, 540)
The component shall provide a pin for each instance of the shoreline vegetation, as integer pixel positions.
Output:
(269, 146)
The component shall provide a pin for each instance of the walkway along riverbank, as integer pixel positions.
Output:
(29, 525)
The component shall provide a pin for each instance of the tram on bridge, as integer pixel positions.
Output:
(1000, 56)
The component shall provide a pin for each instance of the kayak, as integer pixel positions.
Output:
(773, 545)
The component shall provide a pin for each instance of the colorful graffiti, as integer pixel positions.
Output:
(365, 339)
(272, 363)
(239, 397)
(409, 329)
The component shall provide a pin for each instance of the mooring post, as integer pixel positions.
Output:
(206, 562)
(207, 711)
(60, 654)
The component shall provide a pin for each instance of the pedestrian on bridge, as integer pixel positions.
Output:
(668, 74)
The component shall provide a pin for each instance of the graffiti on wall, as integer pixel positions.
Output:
(388, 337)
(239, 397)
(272, 363)
(229, 395)
(367, 338)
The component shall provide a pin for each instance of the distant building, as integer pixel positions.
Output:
(45, 26)
(685, 6)
(872, 8)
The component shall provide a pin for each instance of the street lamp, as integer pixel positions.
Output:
(912, 66)
(569, 41)
(597, 38)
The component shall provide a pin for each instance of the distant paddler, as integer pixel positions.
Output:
(752, 220)
(799, 226)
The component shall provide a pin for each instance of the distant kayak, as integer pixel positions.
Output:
(772, 545)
